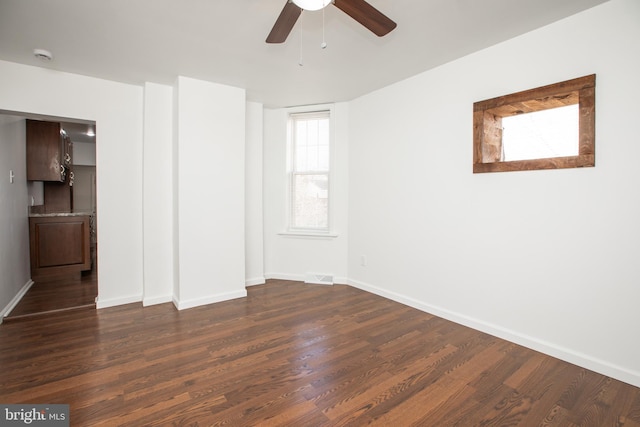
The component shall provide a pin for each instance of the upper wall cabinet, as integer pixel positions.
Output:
(48, 151)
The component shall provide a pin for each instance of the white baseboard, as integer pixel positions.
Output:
(255, 281)
(156, 300)
(15, 300)
(101, 303)
(285, 276)
(301, 277)
(210, 299)
(551, 349)
(340, 280)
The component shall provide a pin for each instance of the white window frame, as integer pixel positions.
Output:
(309, 231)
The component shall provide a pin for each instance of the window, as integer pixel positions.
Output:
(550, 127)
(309, 146)
(541, 134)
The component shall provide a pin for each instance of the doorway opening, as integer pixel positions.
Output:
(61, 216)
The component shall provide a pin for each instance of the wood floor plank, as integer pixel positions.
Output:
(293, 354)
(52, 295)
(418, 409)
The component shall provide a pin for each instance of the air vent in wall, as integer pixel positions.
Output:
(319, 279)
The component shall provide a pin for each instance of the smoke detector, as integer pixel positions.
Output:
(42, 54)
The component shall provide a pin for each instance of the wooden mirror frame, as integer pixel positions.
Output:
(487, 125)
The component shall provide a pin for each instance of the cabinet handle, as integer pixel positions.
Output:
(67, 158)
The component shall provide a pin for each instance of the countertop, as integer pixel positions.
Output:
(39, 215)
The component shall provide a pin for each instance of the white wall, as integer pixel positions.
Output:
(291, 257)
(210, 181)
(14, 223)
(545, 258)
(157, 193)
(210, 144)
(117, 110)
(84, 153)
(254, 230)
(548, 259)
(84, 194)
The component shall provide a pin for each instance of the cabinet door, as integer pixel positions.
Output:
(44, 151)
(59, 246)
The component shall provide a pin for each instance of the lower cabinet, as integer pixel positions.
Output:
(59, 245)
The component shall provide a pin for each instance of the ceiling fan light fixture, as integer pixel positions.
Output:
(360, 10)
(312, 4)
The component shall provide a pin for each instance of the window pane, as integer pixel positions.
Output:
(300, 160)
(542, 134)
(323, 158)
(311, 144)
(310, 201)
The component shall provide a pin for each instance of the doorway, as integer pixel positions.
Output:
(79, 289)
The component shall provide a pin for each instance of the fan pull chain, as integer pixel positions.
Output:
(323, 45)
(300, 62)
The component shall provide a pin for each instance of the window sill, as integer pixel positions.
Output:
(308, 234)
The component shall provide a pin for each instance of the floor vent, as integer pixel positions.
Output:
(319, 279)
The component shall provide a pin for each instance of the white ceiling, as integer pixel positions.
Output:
(222, 41)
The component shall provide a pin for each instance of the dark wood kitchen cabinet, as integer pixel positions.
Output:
(48, 151)
(59, 245)
(58, 196)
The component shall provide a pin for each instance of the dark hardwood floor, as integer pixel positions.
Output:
(292, 354)
(48, 296)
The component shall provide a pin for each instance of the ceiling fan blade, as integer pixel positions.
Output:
(367, 15)
(284, 24)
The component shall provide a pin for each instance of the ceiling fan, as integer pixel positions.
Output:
(359, 10)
